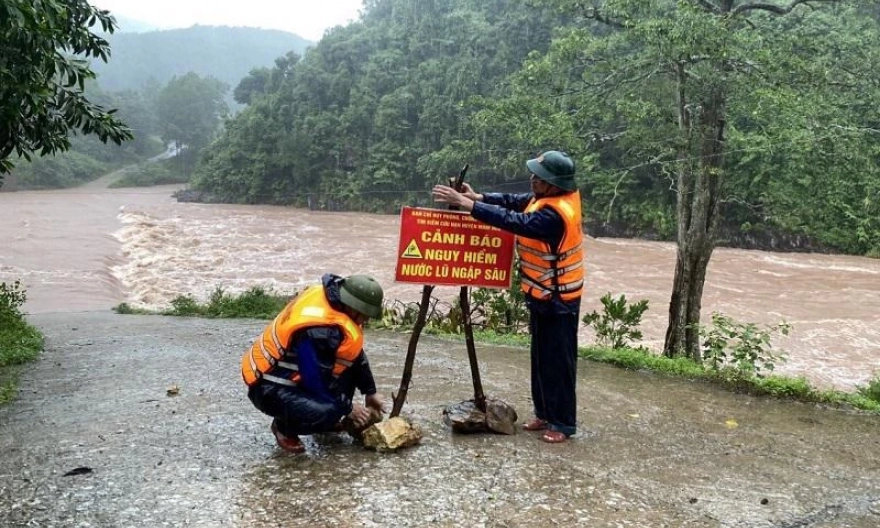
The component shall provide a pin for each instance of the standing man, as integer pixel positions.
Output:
(305, 367)
(549, 238)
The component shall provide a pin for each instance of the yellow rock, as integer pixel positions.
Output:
(392, 434)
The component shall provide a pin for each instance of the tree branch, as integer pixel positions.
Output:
(594, 14)
(708, 6)
(653, 161)
(773, 8)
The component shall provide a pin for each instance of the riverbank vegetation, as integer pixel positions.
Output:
(20, 342)
(773, 111)
(254, 303)
(738, 356)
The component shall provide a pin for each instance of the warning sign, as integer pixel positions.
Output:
(450, 248)
(412, 251)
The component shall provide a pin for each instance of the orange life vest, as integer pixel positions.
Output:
(545, 271)
(309, 308)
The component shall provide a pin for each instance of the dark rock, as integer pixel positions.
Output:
(466, 418)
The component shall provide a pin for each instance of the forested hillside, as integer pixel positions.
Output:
(225, 53)
(775, 106)
(168, 86)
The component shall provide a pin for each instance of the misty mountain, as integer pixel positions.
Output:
(226, 53)
(130, 25)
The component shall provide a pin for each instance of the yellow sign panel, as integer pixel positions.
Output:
(412, 250)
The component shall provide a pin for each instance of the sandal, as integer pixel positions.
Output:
(535, 424)
(554, 437)
(291, 444)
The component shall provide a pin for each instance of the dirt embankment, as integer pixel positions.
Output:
(96, 440)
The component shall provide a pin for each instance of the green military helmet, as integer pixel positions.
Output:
(363, 294)
(555, 168)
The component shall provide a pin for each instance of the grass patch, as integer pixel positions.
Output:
(255, 303)
(783, 387)
(20, 342)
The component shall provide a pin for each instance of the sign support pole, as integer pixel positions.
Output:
(473, 258)
(400, 397)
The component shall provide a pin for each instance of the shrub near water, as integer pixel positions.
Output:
(619, 321)
(19, 341)
(255, 302)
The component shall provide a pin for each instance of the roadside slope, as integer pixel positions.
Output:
(651, 451)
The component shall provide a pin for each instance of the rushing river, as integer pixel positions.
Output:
(92, 248)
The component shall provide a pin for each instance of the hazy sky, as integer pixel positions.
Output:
(306, 18)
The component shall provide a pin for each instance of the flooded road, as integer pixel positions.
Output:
(100, 443)
(91, 248)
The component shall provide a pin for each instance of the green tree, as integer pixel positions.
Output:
(190, 110)
(655, 84)
(43, 74)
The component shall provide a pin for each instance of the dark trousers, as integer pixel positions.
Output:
(295, 412)
(554, 369)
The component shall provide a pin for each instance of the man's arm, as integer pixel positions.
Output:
(513, 202)
(544, 224)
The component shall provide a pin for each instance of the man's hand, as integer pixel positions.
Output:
(359, 415)
(468, 192)
(375, 401)
(446, 194)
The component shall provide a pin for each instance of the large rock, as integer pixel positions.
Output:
(466, 418)
(392, 434)
(500, 416)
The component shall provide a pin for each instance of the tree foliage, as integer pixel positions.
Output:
(679, 96)
(190, 109)
(379, 111)
(359, 119)
(43, 70)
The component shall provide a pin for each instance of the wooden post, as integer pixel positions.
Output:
(479, 397)
(400, 397)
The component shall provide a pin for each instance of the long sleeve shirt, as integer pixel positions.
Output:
(316, 355)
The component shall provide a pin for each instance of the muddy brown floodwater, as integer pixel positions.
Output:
(650, 451)
(92, 248)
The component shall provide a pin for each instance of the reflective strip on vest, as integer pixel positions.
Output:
(279, 381)
(288, 366)
(540, 254)
(275, 339)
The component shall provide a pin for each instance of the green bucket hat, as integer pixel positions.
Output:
(362, 294)
(555, 168)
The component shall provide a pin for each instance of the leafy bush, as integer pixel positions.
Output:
(12, 298)
(19, 341)
(255, 302)
(184, 305)
(504, 311)
(617, 325)
(872, 390)
(740, 350)
(441, 317)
